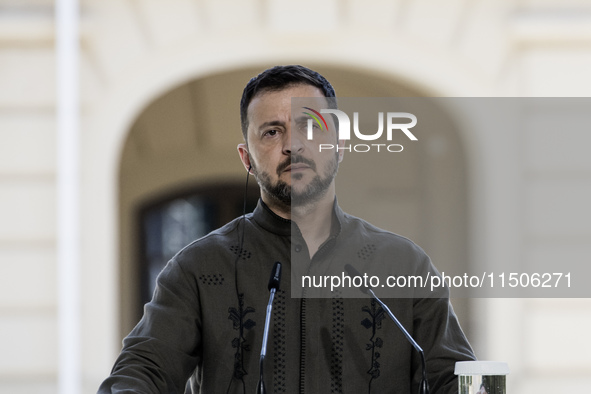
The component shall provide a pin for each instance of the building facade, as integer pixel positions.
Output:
(159, 89)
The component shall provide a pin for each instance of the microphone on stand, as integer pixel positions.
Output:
(424, 386)
(273, 287)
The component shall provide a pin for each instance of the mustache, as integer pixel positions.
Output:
(294, 159)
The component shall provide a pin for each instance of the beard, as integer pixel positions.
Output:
(285, 194)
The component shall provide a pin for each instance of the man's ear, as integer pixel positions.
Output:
(244, 156)
(341, 145)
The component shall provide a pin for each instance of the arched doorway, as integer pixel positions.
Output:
(186, 140)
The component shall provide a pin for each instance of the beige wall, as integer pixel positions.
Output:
(135, 51)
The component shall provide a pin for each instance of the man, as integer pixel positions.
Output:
(211, 330)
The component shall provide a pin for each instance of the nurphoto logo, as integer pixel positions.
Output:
(395, 122)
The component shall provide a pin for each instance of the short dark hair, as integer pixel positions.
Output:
(278, 78)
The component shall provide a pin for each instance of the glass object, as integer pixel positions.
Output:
(482, 377)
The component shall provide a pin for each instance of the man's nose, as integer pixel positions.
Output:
(293, 143)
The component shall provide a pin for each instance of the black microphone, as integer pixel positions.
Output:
(275, 277)
(273, 286)
(424, 386)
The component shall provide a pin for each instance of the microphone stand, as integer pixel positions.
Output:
(424, 386)
(273, 286)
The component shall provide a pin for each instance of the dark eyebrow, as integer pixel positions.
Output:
(302, 119)
(271, 123)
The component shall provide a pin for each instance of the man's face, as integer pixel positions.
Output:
(288, 167)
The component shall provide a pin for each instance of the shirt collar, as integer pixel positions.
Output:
(270, 221)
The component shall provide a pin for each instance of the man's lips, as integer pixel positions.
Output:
(295, 163)
(297, 167)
